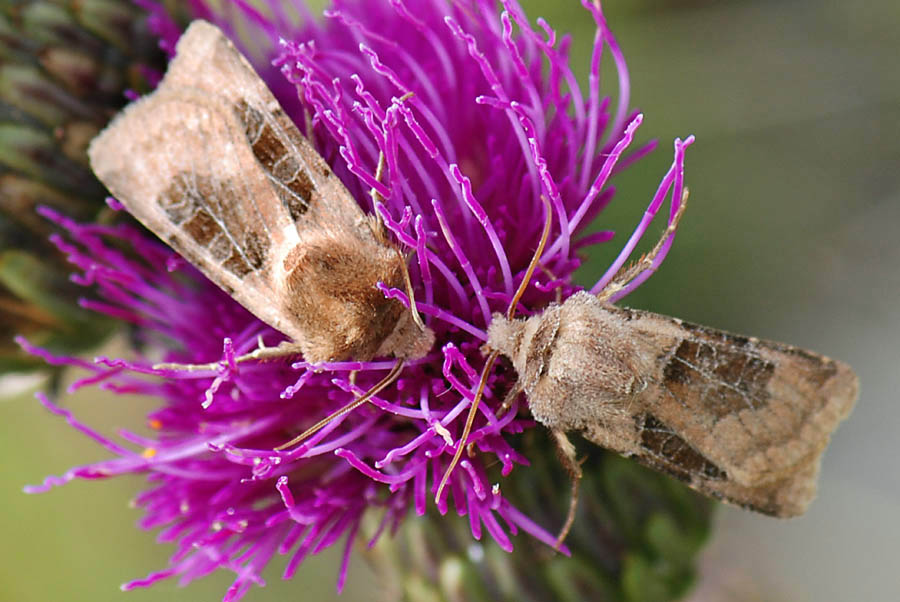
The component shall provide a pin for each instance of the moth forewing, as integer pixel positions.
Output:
(735, 417)
(210, 205)
(212, 164)
(314, 197)
(759, 409)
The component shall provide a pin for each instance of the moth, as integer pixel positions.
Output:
(212, 164)
(736, 418)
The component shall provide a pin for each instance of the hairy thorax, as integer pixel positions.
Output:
(575, 367)
(330, 288)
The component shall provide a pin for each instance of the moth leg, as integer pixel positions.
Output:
(508, 399)
(470, 420)
(492, 357)
(573, 467)
(644, 262)
(283, 349)
(382, 384)
(261, 353)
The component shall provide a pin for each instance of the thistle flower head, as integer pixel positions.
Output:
(478, 115)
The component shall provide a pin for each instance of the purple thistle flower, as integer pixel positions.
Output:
(496, 119)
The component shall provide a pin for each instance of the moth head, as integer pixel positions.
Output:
(408, 340)
(505, 336)
(528, 343)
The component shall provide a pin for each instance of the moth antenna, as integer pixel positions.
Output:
(482, 382)
(511, 310)
(379, 168)
(376, 198)
(645, 262)
(385, 382)
(409, 293)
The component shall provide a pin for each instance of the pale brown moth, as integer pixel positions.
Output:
(734, 417)
(213, 166)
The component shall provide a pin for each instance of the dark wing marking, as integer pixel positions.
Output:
(672, 454)
(179, 162)
(312, 196)
(759, 412)
(206, 212)
(659, 447)
(729, 377)
(283, 167)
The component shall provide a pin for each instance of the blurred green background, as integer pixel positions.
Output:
(792, 234)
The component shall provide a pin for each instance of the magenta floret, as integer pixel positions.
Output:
(495, 120)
